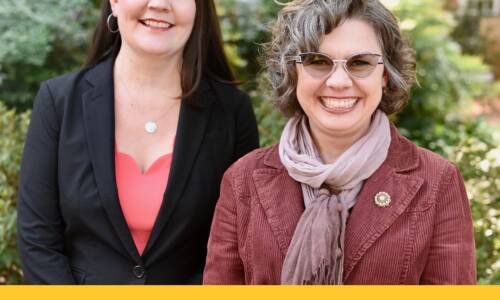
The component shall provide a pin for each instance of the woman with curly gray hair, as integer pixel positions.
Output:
(343, 198)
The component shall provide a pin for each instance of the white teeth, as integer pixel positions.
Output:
(335, 103)
(157, 24)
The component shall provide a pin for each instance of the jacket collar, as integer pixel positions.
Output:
(100, 74)
(99, 119)
(402, 155)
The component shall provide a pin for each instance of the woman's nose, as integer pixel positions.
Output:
(160, 4)
(339, 78)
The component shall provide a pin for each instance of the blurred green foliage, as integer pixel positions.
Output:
(466, 33)
(435, 119)
(243, 38)
(448, 78)
(40, 40)
(13, 128)
(471, 147)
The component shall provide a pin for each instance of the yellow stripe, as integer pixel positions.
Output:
(249, 292)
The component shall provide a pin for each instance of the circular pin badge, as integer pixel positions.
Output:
(382, 199)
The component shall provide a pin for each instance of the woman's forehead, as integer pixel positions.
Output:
(351, 36)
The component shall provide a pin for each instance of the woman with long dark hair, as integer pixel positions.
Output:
(123, 159)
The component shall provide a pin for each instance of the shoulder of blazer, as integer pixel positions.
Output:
(406, 157)
(241, 173)
(55, 93)
(229, 95)
(62, 85)
(436, 172)
(410, 161)
(68, 87)
(262, 158)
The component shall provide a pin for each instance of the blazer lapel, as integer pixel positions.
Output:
(190, 133)
(367, 221)
(281, 198)
(98, 109)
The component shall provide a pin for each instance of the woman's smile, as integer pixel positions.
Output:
(338, 104)
(156, 25)
(142, 24)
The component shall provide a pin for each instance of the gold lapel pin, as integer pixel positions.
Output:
(382, 199)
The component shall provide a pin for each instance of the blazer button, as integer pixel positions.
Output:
(138, 271)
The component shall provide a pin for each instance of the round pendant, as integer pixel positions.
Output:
(150, 127)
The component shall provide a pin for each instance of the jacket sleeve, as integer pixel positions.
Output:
(246, 128)
(40, 227)
(224, 265)
(451, 257)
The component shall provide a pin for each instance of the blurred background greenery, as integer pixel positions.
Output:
(454, 111)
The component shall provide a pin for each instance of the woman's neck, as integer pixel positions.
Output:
(331, 147)
(155, 74)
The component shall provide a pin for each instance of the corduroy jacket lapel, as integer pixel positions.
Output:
(281, 199)
(368, 221)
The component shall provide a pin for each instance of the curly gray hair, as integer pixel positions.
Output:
(300, 27)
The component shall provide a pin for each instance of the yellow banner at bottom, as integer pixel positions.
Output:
(250, 292)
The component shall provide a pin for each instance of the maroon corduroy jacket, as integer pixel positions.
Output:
(423, 237)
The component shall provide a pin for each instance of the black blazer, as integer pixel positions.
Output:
(71, 229)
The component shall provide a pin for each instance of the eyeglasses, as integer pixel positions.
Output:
(320, 65)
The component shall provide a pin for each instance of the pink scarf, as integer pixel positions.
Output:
(316, 252)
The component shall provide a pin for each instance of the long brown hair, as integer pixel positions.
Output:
(203, 54)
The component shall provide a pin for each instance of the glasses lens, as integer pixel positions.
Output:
(362, 65)
(316, 65)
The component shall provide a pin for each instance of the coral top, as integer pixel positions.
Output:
(141, 194)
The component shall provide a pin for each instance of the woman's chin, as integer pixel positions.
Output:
(156, 51)
(349, 124)
(153, 48)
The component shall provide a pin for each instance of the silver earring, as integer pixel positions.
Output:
(108, 22)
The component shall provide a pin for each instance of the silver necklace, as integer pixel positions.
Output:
(151, 126)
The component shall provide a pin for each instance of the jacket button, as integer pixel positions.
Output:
(138, 271)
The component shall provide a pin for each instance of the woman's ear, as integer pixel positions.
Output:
(114, 6)
(385, 79)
